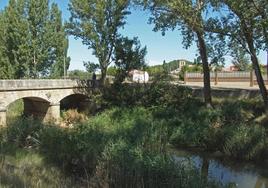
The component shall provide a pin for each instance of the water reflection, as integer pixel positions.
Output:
(242, 175)
(205, 167)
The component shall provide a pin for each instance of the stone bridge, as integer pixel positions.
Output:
(43, 98)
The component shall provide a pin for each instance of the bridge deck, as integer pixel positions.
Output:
(15, 85)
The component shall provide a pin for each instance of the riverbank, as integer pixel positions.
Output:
(126, 143)
(118, 148)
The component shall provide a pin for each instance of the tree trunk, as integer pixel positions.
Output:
(260, 80)
(257, 70)
(204, 58)
(103, 75)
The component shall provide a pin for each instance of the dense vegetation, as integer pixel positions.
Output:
(33, 41)
(127, 143)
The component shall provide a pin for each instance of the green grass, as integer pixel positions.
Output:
(120, 147)
(26, 168)
(125, 145)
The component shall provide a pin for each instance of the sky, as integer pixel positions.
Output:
(160, 48)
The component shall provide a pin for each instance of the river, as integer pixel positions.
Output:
(239, 174)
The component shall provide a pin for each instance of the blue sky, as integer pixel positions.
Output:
(159, 47)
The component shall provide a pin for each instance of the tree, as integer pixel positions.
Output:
(97, 23)
(187, 15)
(33, 41)
(14, 40)
(39, 37)
(48, 41)
(128, 55)
(91, 67)
(165, 68)
(240, 58)
(5, 67)
(58, 44)
(111, 71)
(244, 25)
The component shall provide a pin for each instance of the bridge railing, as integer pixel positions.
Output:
(7, 85)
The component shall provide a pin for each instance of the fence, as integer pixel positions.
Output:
(217, 77)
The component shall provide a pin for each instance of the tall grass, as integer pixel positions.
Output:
(120, 147)
(126, 144)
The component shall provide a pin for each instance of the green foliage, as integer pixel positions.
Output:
(127, 146)
(111, 71)
(33, 41)
(154, 94)
(128, 166)
(107, 150)
(240, 58)
(245, 142)
(229, 129)
(243, 26)
(25, 168)
(24, 133)
(97, 23)
(155, 70)
(15, 110)
(128, 56)
(188, 17)
(59, 43)
(78, 74)
(202, 130)
(91, 67)
(193, 68)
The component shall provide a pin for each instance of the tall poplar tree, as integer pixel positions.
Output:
(58, 43)
(38, 20)
(33, 42)
(15, 39)
(5, 68)
(97, 22)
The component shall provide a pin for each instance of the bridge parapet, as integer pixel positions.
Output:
(15, 85)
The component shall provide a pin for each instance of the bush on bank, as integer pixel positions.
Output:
(126, 144)
(119, 147)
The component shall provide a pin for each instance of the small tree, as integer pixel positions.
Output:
(129, 55)
(91, 67)
(240, 58)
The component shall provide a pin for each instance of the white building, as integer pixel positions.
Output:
(139, 76)
(182, 63)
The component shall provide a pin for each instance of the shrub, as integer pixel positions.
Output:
(72, 116)
(122, 165)
(202, 130)
(147, 95)
(24, 132)
(245, 142)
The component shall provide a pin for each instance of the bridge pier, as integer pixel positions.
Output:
(43, 110)
(53, 113)
(3, 117)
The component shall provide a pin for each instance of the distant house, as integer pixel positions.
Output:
(180, 64)
(139, 76)
(230, 69)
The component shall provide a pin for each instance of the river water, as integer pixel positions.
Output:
(241, 175)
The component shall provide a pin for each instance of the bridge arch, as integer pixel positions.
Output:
(31, 106)
(77, 101)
